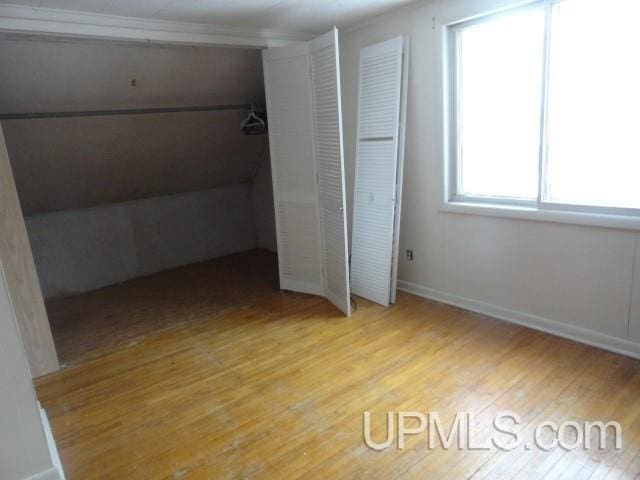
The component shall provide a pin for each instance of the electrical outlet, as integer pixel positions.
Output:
(410, 255)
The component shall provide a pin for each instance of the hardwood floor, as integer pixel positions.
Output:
(274, 385)
(87, 325)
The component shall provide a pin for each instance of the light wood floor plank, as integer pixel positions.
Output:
(209, 371)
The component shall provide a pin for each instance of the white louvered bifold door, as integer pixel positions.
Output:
(376, 174)
(302, 84)
(325, 81)
(291, 143)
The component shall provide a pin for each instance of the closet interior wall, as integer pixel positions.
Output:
(110, 198)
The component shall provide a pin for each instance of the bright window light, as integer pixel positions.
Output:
(499, 98)
(546, 107)
(594, 104)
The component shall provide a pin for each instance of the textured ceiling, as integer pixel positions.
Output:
(313, 16)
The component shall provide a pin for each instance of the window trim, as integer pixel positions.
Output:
(552, 215)
(538, 208)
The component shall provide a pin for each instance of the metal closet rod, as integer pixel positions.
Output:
(128, 111)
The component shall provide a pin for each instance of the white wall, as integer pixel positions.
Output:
(572, 280)
(80, 250)
(23, 447)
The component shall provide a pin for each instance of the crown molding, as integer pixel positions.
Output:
(47, 21)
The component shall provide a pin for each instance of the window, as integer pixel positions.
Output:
(499, 90)
(545, 107)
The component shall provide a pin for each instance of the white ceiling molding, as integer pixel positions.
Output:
(44, 21)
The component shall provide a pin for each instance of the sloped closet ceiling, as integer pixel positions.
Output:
(64, 164)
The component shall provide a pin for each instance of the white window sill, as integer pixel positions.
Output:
(543, 215)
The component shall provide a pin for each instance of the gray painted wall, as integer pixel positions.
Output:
(63, 164)
(81, 250)
(66, 164)
(108, 199)
(263, 208)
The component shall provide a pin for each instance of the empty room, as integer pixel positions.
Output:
(381, 239)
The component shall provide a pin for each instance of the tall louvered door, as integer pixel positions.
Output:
(293, 167)
(325, 81)
(305, 137)
(400, 171)
(376, 175)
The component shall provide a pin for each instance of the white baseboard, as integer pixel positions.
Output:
(572, 332)
(48, 474)
(55, 472)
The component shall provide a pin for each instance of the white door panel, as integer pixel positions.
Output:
(376, 176)
(325, 80)
(400, 172)
(289, 108)
(305, 134)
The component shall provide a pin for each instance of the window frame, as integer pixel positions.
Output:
(538, 208)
